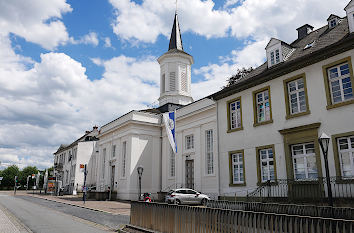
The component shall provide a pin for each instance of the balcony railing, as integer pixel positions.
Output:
(313, 191)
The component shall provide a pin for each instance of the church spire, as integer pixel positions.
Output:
(176, 39)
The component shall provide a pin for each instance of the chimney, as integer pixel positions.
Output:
(87, 131)
(95, 128)
(303, 31)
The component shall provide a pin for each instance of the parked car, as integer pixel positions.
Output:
(186, 196)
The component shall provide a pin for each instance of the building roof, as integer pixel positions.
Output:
(327, 42)
(176, 38)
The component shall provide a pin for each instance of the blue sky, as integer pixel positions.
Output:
(66, 65)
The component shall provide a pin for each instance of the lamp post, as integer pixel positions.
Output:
(324, 141)
(140, 170)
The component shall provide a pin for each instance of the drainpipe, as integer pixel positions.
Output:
(218, 142)
(161, 153)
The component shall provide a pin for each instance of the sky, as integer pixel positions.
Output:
(67, 65)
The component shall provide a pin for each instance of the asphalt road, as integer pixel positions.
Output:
(46, 216)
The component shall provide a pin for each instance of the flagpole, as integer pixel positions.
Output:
(175, 113)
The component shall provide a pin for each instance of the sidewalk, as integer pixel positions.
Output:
(9, 223)
(112, 207)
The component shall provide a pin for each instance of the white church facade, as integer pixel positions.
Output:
(263, 129)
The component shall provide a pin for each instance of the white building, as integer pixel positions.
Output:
(139, 138)
(269, 121)
(67, 160)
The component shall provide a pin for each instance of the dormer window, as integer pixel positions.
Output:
(333, 20)
(332, 23)
(274, 57)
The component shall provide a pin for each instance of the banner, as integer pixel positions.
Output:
(170, 125)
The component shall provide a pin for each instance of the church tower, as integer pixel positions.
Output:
(175, 71)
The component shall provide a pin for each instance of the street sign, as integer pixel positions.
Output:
(1, 178)
(82, 166)
(33, 175)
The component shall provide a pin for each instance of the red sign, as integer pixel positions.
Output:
(82, 166)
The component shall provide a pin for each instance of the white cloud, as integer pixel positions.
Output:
(54, 102)
(37, 21)
(215, 75)
(107, 42)
(90, 38)
(242, 19)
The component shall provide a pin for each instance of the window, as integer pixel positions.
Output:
(346, 156)
(124, 155)
(274, 57)
(163, 83)
(189, 142)
(184, 85)
(332, 23)
(113, 151)
(304, 161)
(339, 81)
(172, 81)
(266, 164)
(103, 162)
(234, 114)
(296, 100)
(237, 170)
(209, 151)
(172, 163)
(262, 106)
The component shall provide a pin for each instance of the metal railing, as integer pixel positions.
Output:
(173, 219)
(303, 190)
(292, 209)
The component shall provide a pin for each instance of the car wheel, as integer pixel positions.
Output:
(178, 202)
(203, 202)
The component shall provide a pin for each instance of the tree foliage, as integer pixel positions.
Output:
(241, 73)
(9, 176)
(27, 171)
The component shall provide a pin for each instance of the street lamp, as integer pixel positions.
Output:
(324, 141)
(140, 170)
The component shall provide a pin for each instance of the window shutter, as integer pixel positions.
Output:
(172, 81)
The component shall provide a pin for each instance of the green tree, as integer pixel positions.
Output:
(241, 73)
(9, 176)
(27, 171)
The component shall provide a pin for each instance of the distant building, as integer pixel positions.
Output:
(67, 160)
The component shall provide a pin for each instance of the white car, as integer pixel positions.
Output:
(186, 196)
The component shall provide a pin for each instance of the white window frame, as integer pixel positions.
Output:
(124, 159)
(350, 152)
(274, 56)
(340, 79)
(297, 92)
(267, 160)
(263, 103)
(235, 114)
(189, 139)
(305, 156)
(172, 164)
(237, 164)
(209, 153)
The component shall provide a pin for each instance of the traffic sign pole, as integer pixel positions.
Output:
(84, 188)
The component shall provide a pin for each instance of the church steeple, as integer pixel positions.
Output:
(176, 38)
(175, 71)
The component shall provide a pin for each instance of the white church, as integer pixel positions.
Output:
(138, 138)
(261, 130)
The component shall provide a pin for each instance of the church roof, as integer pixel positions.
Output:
(176, 39)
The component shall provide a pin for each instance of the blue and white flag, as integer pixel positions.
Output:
(170, 125)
